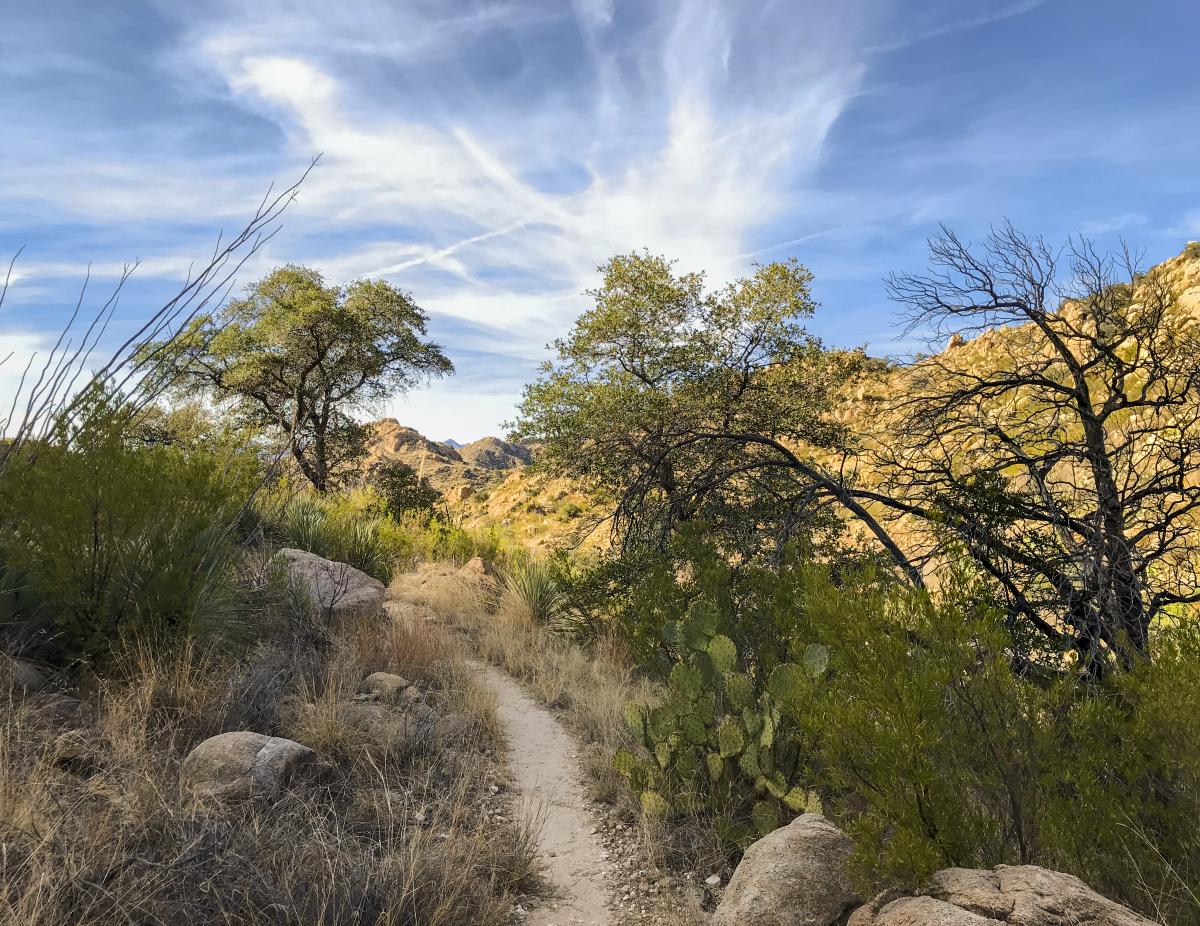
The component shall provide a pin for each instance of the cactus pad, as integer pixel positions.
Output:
(788, 683)
(730, 738)
(749, 762)
(765, 816)
(738, 690)
(635, 716)
(624, 762)
(694, 729)
(654, 804)
(694, 636)
(723, 653)
(766, 737)
(662, 723)
(796, 799)
(686, 680)
(816, 659)
(704, 614)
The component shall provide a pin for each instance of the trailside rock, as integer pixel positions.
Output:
(795, 876)
(917, 911)
(235, 766)
(1028, 894)
(21, 676)
(335, 588)
(1016, 895)
(478, 569)
(384, 686)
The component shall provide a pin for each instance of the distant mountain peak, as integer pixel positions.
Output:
(451, 442)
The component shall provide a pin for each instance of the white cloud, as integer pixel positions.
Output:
(18, 350)
(1113, 223)
(711, 178)
(687, 133)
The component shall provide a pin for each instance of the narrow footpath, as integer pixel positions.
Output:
(552, 796)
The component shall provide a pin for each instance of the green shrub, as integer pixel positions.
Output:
(936, 752)
(439, 539)
(722, 742)
(403, 490)
(349, 528)
(104, 538)
(926, 738)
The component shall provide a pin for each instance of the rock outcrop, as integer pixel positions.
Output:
(1020, 895)
(795, 876)
(335, 588)
(477, 569)
(492, 453)
(240, 765)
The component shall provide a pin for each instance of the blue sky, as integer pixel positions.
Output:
(488, 156)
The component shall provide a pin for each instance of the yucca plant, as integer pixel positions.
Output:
(532, 587)
(310, 523)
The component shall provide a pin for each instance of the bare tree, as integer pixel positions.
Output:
(1063, 460)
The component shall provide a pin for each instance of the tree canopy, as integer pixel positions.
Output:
(1060, 469)
(301, 356)
(693, 405)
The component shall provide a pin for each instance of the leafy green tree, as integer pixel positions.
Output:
(697, 406)
(403, 489)
(300, 356)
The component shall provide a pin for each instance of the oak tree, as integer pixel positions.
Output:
(300, 356)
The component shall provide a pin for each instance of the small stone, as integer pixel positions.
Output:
(712, 880)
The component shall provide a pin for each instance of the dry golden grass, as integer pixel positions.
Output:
(94, 829)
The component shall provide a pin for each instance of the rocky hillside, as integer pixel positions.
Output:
(487, 482)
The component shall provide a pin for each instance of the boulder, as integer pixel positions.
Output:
(384, 686)
(383, 726)
(795, 876)
(478, 569)
(20, 676)
(335, 588)
(916, 911)
(63, 708)
(235, 766)
(1017, 895)
(458, 494)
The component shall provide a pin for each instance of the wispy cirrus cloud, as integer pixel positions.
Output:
(488, 156)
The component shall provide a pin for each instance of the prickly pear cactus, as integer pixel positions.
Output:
(722, 738)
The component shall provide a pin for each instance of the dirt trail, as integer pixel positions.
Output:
(552, 794)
